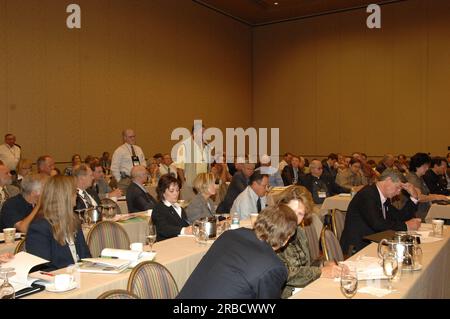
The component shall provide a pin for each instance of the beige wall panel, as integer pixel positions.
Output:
(150, 65)
(437, 118)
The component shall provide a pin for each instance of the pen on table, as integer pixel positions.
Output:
(110, 257)
(47, 273)
(336, 262)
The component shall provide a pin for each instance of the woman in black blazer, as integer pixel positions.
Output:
(56, 233)
(168, 217)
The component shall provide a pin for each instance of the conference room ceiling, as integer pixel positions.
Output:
(260, 12)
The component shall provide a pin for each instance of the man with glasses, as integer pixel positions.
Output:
(138, 197)
(320, 185)
(125, 157)
(253, 198)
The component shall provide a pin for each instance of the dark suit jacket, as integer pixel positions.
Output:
(329, 170)
(288, 175)
(333, 188)
(14, 210)
(40, 242)
(138, 200)
(437, 184)
(167, 221)
(237, 266)
(80, 203)
(365, 217)
(238, 183)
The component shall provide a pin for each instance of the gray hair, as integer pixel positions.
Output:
(395, 176)
(80, 170)
(33, 182)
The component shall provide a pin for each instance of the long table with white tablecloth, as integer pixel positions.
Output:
(432, 281)
(180, 255)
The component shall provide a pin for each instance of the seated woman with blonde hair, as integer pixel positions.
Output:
(295, 254)
(55, 234)
(202, 205)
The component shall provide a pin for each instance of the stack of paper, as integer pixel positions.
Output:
(104, 265)
(367, 268)
(134, 257)
(22, 264)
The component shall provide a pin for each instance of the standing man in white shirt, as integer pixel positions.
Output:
(10, 153)
(167, 166)
(124, 158)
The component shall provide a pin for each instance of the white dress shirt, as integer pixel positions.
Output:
(245, 203)
(163, 169)
(10, 156)
(178, 210)
(122, 162)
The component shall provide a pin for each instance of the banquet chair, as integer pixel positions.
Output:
(151, 280)
(313, 243)
(20, 246)
(107, 234)
(331, 248)
(118, 294)
(337, 222)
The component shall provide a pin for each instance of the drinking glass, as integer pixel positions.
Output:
(349, 282)
(6, 289)
(390, 267)
(151, 236)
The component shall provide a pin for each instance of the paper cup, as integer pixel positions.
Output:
(137, 246)
(10, 235)
(438, 227)
(63, 281)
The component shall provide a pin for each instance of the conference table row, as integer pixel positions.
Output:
(431, 281)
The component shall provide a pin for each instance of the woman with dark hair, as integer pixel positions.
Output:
(56, 233)
(76, 160)
(168, 217)
(295, 254)
(418, 166)
(242, 264)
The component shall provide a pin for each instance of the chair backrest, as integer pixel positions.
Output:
(118, 294)
(330, 245)
(151, 280)
(107, 234)
(20, 246)
(313, 242)
(337, 222)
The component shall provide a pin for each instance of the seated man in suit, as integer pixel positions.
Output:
(86, 197)
(330, 165)
(237, 186)
(435, 176)
(138, 198)
(292, 172)
(371, 211)
(253, 198)
(242, 263)
(17, 210)
(320, 185)
(100, 186)
(6, 189)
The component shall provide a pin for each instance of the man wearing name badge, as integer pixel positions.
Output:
(86, 198)
(10, 153)
(253, 198)
(193, 158)
(124, 158)
(371, 211)
(320, 185)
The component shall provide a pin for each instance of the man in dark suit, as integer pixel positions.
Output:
(291, 173)
(435, 176)
(138, 198)
(86, 197)
(242, 263)
(371, 211)
(329, 165)
(320, 185)
(239, 182)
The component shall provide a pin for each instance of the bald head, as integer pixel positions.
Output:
(316, 168)
(129, 136)
(139, 174)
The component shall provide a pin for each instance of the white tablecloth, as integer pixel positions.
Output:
(433, 281)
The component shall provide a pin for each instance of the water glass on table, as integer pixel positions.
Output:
(390, 266)
(151, 236)
(349, 282)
